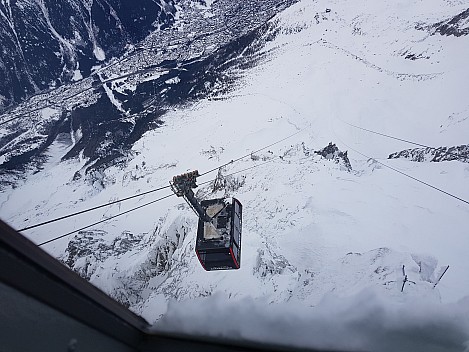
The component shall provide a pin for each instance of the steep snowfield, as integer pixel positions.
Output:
(310, 227)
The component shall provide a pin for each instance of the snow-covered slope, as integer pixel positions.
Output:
(311, 226)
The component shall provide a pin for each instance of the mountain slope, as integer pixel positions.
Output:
(46, 43)
(200, 56)
(311, 225)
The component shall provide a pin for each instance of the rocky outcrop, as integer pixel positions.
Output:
(459, 153)
(92, 253)
(456, 26)
(332, 152)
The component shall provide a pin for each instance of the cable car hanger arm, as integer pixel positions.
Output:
(182, 186)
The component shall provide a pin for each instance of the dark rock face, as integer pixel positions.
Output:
(452, 26)
(460, 153)
(45, 41)
(332, 152)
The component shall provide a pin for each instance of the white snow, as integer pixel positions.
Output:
(360, 322)
(302, 214)
(174, 80)
(99, 53)
(112, 98)
(77, 75)
(47, 113)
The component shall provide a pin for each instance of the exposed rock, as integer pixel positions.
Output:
(331, 152)
(89, 252)
(460, 153)
(456, 26)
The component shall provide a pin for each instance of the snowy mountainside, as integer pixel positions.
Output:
(311, 226)
(46, 43)
(128, 96)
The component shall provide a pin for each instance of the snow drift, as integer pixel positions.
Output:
(361, 322)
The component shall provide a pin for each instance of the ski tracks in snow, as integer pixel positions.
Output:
(398, 75)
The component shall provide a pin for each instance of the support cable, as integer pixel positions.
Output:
(153, 190)
(104, 220)
(139, 207)
(407, 175)
(253, 152)
(398, 139)
(233, 173)
(91, 209)
(237, 172)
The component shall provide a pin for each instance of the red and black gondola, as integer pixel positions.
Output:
(218, 244)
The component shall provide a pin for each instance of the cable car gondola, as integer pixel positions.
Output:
(218, 244)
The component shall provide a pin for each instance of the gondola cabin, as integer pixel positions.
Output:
(218, 245)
